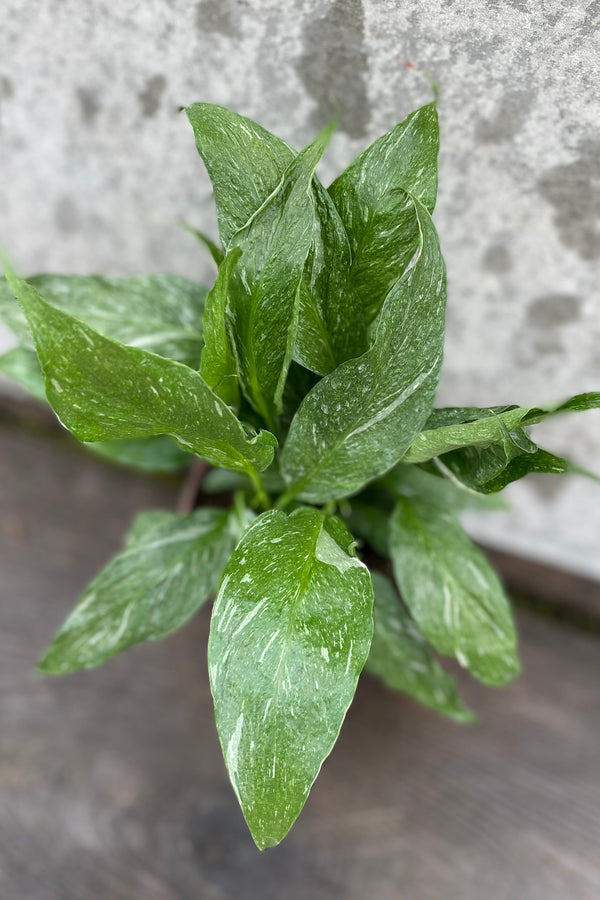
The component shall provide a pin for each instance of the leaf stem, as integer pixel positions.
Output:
(239, 507)
(190, 488)
(261, 495)
(286, 498)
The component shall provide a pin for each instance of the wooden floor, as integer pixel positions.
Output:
(113, 787)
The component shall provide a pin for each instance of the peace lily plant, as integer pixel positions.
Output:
(306, 377)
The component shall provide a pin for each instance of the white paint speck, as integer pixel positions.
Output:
(233, 749)
(461, 659)
(347, 670)
(269, 643)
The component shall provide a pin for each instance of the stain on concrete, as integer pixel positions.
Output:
(6, 87)
(591, 19)
(547, 487)
(573, 189)
(89, 104)
(510, 116)
(531, 9)
(218, 16)
(553, 310)
(151, 96)
(497, 259)
(6, 92)
(541, 339)
(539, 352)
(66, 216)
(333, 66)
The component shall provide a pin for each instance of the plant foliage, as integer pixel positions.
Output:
(306, 376)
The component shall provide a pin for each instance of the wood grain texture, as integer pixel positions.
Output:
(559, 589)
(112, 783)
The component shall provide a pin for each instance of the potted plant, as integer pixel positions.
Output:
(303, 383)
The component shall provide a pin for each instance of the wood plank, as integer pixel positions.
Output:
(112, 783)
(560, 591)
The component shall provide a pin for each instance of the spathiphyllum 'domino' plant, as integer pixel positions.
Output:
(306, 378)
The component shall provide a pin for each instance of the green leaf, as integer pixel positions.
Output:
(159, 313)
(102, 390)
(290, 634)
(244, 161)
(12, 315)
(369, 512)
(359, 421)
(452, 495)
(450, 429)
(298, 383)
(491, 469)
(372, 197)
(144, 522)
(246, 164)
(217, 366)
(168, 568)
(152, 454)
(402, 659)
(541, 462)
(331, 325)
(264, 289)
(451, 591)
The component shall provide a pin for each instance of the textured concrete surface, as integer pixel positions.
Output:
(97, 167)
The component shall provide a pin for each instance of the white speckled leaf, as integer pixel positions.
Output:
(217, 365)
(169, 566)
(152, 454)
(331, 325)
(414, 481)
(489, 470)
(358, 421)
(158, 453)
(245, 163)
(290, 634)
(449, 429)
(371, 198)
(102, 390)
(451, 590)
(401, 657)
(159, 313)
(264, 289)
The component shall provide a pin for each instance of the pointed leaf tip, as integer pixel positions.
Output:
(289, 637)
(452, 592)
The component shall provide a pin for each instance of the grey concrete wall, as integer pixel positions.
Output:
(97, 166)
